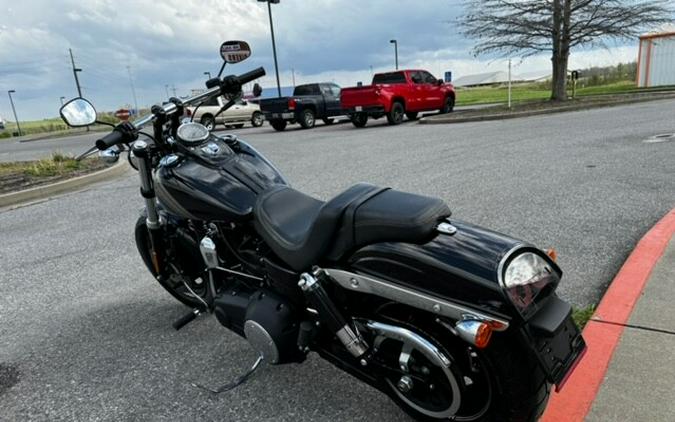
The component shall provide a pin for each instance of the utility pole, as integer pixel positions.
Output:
(63, 99)
(208, 74)
(77, 81)
(509, 84)
(16, 119)
(173, 87)
(371, 70)
(293, 73)
(133, 90)
(274, 45)
(395, 51)
(166, 88)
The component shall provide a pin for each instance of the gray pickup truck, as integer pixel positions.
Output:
(308, 103)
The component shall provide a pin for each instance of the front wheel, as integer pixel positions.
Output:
(500, 383)
(448, 105)
(395, 115)
(359, 119)
(307, 119)
(257, 119)
(278, 125)
(208, 121)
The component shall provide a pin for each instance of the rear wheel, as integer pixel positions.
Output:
(411, 115)
(278, 125)
(208, 121)
(448, 105)
(328, 121)
(257, 119)
(307, 119)
(501, 383)
(395, 115)
(359, 119)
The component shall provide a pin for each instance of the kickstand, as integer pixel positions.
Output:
(234, 384)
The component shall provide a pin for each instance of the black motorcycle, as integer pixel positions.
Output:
(451, 320)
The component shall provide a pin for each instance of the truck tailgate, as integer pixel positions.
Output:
(360, 96)
(274, 105)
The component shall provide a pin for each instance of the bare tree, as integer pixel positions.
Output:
(530, 27)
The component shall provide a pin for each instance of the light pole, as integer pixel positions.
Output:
(166, 88)
(63, 99)
(208, 74)
(395, 51)
(133, 90)
(274, 46)
(16, 119)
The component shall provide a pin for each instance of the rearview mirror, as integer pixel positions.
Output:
(78, 112)
(257, 90)
(235, 51)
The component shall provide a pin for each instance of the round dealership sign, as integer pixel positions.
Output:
(122, 114)
(235, 51)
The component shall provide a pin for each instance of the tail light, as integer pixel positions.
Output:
(291, 104)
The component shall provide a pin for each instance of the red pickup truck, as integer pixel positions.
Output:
(395, 94)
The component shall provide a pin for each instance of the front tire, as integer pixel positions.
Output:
(395, 115)
(257, 119)
(208, 121)
(359, 119)
(307, 119)
(278, 125)
(448, 105)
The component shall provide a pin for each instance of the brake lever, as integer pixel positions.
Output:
(86, 154)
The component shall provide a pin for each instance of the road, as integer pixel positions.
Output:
(86, 332)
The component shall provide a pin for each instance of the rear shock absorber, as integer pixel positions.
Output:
(330, 314)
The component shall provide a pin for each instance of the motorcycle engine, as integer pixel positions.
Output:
(265, 319)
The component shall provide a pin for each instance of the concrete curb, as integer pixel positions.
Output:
(69, 185)
(435, 120)
(574, 402)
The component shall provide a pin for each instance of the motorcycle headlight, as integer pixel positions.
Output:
(528, 277)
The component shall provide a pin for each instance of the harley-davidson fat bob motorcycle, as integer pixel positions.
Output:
(451, 320)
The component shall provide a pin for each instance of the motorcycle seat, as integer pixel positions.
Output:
(302, 230)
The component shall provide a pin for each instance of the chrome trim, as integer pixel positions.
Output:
(425, 302)
(227, 270)
(351, 341)
(467, 330)
(500, 267)
(207, 247)
(431, 352)
(144, 173)
(109, 156)
(446, 228)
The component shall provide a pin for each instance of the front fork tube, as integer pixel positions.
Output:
(141, 152)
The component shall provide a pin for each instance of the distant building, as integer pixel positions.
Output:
(656, 60)
(500, 78)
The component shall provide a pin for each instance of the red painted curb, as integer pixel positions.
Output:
(574, 402)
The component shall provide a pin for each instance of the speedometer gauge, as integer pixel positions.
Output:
(192, 133)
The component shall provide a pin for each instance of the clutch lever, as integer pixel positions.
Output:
(86, 154)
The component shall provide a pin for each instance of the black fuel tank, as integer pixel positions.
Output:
(461, 267)
(219, 183)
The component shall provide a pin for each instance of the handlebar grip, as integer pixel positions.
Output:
(252, 75)
(113, 138)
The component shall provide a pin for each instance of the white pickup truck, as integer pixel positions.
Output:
(240, 113)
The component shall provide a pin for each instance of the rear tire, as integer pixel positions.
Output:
(359, 119)
(278, 125)
(395, 115)
(257, 119)
(448, 105)
(509, 384)
(208, 121)
(307, 119)
(411, 115)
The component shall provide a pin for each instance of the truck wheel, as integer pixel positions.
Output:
(208, 121)
(328, 121)
(359, 119)
(257, 119)
(307, 119)
(411, 115)
(448, 105)
(278, 125)
(395, 115)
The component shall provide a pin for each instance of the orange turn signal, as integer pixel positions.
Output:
(483, 336)
(552, 254)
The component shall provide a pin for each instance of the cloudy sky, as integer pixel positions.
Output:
(172, 42)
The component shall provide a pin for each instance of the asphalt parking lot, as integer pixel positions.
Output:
(86, 332)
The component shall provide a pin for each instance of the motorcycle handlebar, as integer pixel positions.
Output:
(251, 76)
(113, 138)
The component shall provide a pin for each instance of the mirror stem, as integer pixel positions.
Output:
(104, 123)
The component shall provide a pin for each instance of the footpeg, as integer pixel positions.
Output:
(185, 320)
